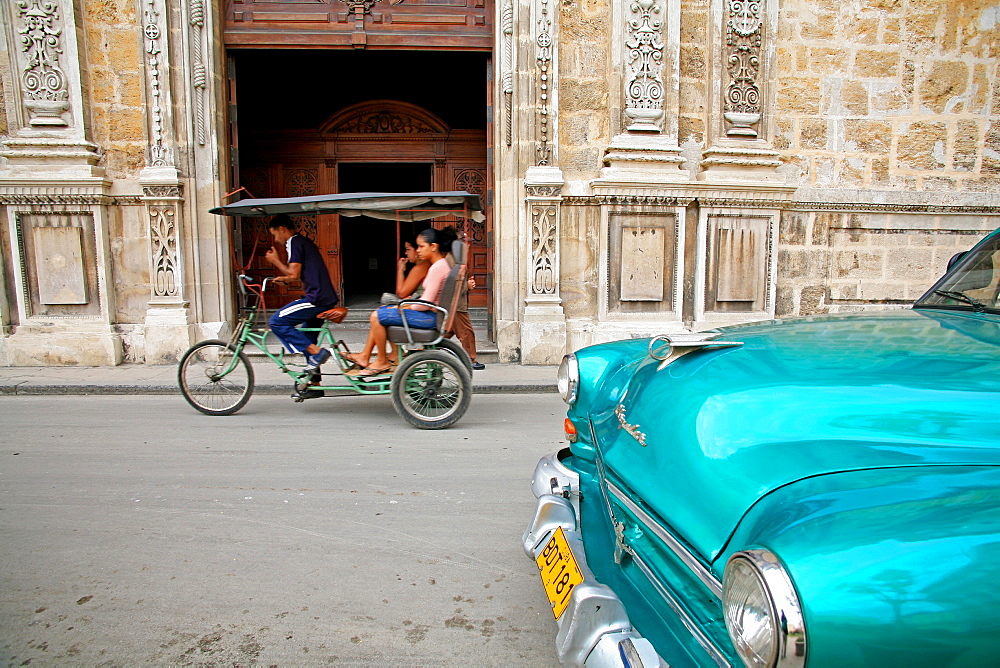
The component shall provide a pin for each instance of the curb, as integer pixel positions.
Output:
(22, 389)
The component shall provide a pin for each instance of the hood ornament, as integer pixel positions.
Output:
(632, 429)
(668, 347)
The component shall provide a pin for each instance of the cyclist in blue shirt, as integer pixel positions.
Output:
(305, 264)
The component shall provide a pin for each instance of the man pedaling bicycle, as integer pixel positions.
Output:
(304, 264)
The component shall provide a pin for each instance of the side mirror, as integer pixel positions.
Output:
(955, 258)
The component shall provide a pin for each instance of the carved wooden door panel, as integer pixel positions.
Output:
(472, 178)
(400, 24)
(279, 180)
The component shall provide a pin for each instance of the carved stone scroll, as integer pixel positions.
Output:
(43, 83)
(644, 54)
(744, 37)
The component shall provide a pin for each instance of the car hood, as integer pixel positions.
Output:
(910, 549)
(801, 398)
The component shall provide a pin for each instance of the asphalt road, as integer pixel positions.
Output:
(136, 531)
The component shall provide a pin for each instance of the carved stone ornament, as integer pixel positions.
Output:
(543, 249)
(543, 191)
(163, 241)
(742, 100)
(543, 58)
(159, 155)
(644, 85)
(161, 192)
(43, 82)
(507, 68)
(199, 77)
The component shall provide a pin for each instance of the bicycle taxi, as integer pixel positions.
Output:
(432, 385)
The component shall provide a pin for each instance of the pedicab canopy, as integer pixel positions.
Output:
(387, 206)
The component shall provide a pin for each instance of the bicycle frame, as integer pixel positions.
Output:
(247, 332)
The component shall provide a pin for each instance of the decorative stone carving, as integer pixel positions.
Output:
(644, 84)
(199, 78)
(163, 241)
(43, 82)
(742, 99)
(507, 68)
(159, 155)
(543, 249)
(543, 59)
(161, 211)
(543, 190)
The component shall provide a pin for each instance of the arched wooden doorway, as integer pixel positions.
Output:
(376, 145)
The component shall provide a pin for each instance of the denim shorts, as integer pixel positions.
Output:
(389, 317)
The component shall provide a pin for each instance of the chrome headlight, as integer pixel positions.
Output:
(762, 611)
(568, 379)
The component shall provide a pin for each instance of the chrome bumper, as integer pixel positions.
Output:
(595, 630)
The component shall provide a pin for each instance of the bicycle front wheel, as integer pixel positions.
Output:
(214, 378)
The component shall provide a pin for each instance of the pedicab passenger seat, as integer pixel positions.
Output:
(448, 303)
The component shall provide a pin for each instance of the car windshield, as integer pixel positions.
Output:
(974, 285)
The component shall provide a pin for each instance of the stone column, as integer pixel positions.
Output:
(167, 323)
(55, 198)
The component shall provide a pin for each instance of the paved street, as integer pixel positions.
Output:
(134, 530)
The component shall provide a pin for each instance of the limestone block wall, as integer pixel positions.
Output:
(112, 48)
(839, 261)
(889, 94)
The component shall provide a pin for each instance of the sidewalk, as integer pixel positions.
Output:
(148, 379)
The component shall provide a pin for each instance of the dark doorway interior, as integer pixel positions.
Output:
(368, 245)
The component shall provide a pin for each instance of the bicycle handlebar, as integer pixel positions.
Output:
(246, 283)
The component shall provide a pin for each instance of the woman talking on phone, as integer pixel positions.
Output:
(432, 247)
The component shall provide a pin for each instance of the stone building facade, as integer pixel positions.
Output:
(653, 165)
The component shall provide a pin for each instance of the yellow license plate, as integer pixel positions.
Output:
(559, 570)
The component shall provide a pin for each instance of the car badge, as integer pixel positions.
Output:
(632, 429)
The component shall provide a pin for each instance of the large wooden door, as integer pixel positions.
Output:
(289, 163)
(288, 180)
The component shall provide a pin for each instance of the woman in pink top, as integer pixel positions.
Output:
(432, 246)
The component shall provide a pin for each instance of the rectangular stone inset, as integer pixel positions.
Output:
(737, 265)
(59, 265)
(643, 263)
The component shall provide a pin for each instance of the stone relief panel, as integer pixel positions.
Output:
(642, 262)
(543, 62)
(153, 31)
(44, 85)
(644, 57)
(743, 55)
(738, 263)
(163, 242)
(58, 263)
(544, 231)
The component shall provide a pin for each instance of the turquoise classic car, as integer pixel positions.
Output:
(819, 491)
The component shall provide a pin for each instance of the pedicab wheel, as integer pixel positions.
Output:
(458, 351)
(431, 389)
(205, 383)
